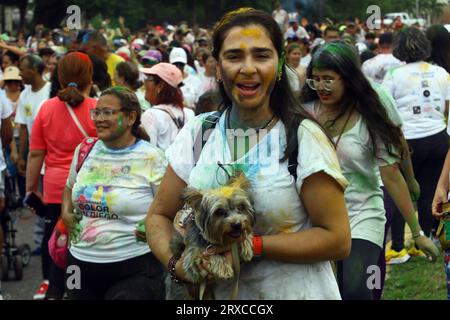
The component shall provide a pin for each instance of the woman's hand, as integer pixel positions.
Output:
(428, 247)
(440, 197)
(70, 220)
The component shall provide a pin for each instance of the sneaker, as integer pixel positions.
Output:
(42, 291)
(394, 257)
(414, 252)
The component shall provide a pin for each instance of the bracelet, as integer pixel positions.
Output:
(171, 268)
(257, 247)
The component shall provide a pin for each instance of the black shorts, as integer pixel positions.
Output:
(140, 278)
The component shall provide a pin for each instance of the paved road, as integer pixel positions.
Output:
(32, 274)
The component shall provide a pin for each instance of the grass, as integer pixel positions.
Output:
(418, 279)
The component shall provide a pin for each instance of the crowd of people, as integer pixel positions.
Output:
(103, 127)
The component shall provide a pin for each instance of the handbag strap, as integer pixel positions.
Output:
(75, 119)
(175, 120)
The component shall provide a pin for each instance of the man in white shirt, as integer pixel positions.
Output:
(35, 93)
(281, 16)
(191, 84)
(295, 29)
(376, 67)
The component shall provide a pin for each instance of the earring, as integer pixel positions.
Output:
(219, 80)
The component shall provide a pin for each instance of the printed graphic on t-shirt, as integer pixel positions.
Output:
(28, 112)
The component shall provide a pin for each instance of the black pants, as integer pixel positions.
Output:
(428, 158)
(50, 271)
(353, 273)
(140, 278)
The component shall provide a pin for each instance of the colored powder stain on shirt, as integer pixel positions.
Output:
(424, 67)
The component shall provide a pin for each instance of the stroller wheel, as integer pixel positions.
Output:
(25, 251)
(18, 267)
(4, 267)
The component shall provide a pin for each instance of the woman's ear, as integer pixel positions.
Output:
(132, 118)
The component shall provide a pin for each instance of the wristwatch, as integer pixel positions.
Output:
(421, 233)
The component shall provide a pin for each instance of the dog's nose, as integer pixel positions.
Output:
(236, 226)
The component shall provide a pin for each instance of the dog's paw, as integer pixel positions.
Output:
(220, 268)
(191, 263)
(247, 248)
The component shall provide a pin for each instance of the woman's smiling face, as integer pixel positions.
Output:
(248, 63)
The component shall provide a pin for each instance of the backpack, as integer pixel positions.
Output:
(58, 243)
(210, 123)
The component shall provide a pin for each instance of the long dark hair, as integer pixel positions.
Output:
(282, 100)
(129, 103)
(440, 46)
(359, 96)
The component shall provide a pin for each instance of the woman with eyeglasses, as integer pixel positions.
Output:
(343, 101)
(301, 219)
(60, 125)
(168, 115)
(106, 195)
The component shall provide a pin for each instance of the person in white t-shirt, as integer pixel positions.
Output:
(422, 94)
(344, 102)
(281, 16)
(165, 119)
(35, 93)
(296, 30)
(208, 76)
(191, 84)
(112, 191)
(377, 67)
(295, 236)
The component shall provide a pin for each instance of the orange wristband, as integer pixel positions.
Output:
(257, 246)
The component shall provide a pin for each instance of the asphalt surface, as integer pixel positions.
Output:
(32, 274)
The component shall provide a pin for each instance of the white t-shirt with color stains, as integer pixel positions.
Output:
(276, 201)
(113, 191)
(363, 196)
(420, 90)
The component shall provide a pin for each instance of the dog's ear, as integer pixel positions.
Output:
(192, 197)
(239, 180)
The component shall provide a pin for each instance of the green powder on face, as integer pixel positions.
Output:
(120, 123)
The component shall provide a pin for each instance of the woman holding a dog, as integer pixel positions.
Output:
(110, 187)
(297, 187)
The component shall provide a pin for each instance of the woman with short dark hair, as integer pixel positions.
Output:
(422, 93)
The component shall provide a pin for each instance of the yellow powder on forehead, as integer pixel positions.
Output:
(251, 32)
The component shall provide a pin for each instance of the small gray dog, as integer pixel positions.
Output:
(219, 217)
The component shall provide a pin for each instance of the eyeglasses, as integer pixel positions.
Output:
(327, 84)
(105, 113)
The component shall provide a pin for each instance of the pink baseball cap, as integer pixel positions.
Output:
(167, 72)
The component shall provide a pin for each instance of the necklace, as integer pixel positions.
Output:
(241, 133)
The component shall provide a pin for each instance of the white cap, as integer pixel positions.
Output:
(178, 55)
